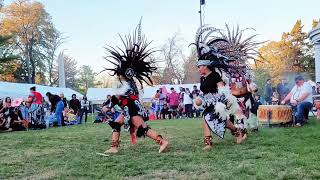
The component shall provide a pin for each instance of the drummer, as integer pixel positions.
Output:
(300, 98)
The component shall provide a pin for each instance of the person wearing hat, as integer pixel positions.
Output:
(132, 65)
(300, 98)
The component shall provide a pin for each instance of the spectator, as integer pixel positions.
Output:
(173, 100)
(283, 89)
(64, 99)
(75, 104)
(84, 109)
(181, 94)
(6, 112)
(195, 91)
(188, 103)
(195, 94)
(318, 88)
(300, 98)
(17, 123)
(35, 98)
(161, 98)
(275, 98)
(268, 92)
(165, 112)
(57, 107)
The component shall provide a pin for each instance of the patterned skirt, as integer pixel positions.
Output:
(214, 121)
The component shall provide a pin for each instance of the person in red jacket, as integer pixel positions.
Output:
(35, 98)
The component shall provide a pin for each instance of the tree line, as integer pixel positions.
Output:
(29, 42)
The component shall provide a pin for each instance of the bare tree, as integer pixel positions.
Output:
(191, 74)
(173, 58)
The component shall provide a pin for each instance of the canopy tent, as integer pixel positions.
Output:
(19, 90)
(99, 95)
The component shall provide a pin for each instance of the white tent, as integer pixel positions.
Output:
(19, 90)
(99, 95)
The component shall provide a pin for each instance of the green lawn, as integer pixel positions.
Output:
(70, 153)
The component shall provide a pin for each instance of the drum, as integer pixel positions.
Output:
(278, 114)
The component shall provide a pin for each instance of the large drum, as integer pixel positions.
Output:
(278, 114)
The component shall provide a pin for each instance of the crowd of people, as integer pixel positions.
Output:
(175, 104)
(38, 112)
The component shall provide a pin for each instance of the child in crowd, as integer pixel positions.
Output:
(69, 117)
(275, 98)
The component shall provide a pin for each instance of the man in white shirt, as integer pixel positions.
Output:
(301, 100)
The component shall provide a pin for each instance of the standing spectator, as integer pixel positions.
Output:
(195, 94)
(181, 108)
(84, 108)
(188, 102)
(318, 88)
(283, 89)
(300, 98)
(57, 107)
(181, 94)
(35, 98)
(268, 92)
(161, 98)
(64, 99)
(173, 100)
(75, 104)
(195, 91)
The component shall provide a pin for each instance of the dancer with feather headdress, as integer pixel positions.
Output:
(130, 65)
(225, 73)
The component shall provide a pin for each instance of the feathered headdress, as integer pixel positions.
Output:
(217, 48)
(132, 62)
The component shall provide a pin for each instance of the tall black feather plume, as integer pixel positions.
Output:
(132, 62)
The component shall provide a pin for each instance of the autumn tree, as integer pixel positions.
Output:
(29, 23)
(289, 55)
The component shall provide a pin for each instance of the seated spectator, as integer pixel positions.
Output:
(4, 125)
(165, 112)
(275, 98)
(300, 98)
(17, 122)
(69, 117)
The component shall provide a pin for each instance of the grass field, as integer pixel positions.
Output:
(70, 153)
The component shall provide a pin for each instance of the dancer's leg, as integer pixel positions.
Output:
(115, 137)
(144, 130)
(207, 135)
